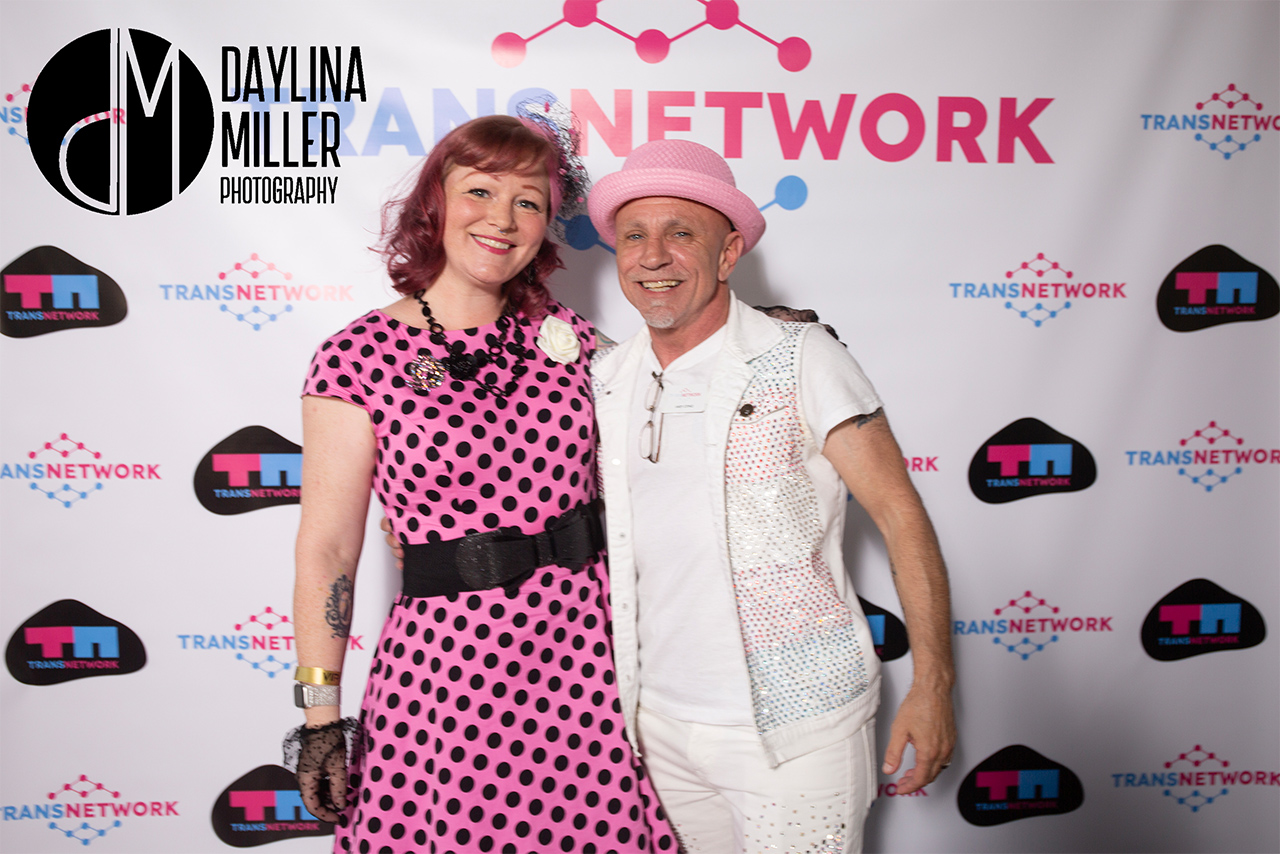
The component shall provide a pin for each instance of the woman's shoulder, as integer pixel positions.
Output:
(556, 309)
(367, 325)
(335, 369)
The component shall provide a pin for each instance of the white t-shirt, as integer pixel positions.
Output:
(692, 666)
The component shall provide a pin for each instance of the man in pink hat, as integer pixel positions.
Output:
(746, 667)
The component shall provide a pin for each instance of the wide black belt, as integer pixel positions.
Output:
(504, 557)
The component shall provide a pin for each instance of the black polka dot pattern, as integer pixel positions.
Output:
(454, 459)
(490, 722)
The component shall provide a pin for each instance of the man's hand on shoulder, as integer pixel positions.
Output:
(397, 551)
(795, 315)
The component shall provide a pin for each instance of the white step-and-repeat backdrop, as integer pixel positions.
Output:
(1049, 232)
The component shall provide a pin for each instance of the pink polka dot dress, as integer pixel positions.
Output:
(491, 722)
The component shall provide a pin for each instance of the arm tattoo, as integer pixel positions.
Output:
(863, 420)
(337, 611)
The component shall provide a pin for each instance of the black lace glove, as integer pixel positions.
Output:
(319, 758)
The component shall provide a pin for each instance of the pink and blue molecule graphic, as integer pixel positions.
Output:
(256, 317)
(1230, 98)
(13, 114)
(1026, 603)
(1196, 757)
(1211, 435)
(84, 833)
(1039, 312)
(270, 665)
(67, 495)
(789, 193)
(652, 46)
(267, 618)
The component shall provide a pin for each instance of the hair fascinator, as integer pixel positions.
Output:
(570, 184)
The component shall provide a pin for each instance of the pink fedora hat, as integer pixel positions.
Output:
(678, 168)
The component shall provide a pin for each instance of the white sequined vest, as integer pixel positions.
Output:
(800, 638)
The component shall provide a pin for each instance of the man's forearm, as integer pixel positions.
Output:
(920, 577)
(865, 453)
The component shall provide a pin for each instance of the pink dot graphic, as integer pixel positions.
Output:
(508, 50)
(794, 54)
(722, 14)
(580, 13)
(653, 46)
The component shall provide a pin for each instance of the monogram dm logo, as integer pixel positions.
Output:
(120, 121)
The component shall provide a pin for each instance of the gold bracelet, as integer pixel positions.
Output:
(318, 676)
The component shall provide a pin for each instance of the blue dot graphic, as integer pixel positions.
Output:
(580, 234)
(791, 192)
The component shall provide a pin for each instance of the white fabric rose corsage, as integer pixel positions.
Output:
(558, 340)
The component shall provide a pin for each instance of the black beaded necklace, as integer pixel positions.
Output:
(427, 372)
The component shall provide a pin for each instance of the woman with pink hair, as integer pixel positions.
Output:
(491, 719)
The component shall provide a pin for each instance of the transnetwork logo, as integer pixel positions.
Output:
(1015, 783)
(67, 471)
(1226, 122)
(959, 119)
(251, 469)
(264, 806)
(69, 640)
(1215, 286)
(255, 292)
(1208, 458)
(1199, 617)
(1029, 624)
(254, 641)
(888, 634)
(1038, 290)
(263, 641)
(1026, 458)
(85, 810)
(47, 290)
(1195, 779)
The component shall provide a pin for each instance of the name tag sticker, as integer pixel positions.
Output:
(684, 398)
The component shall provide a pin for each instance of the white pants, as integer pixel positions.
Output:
(723, 797)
